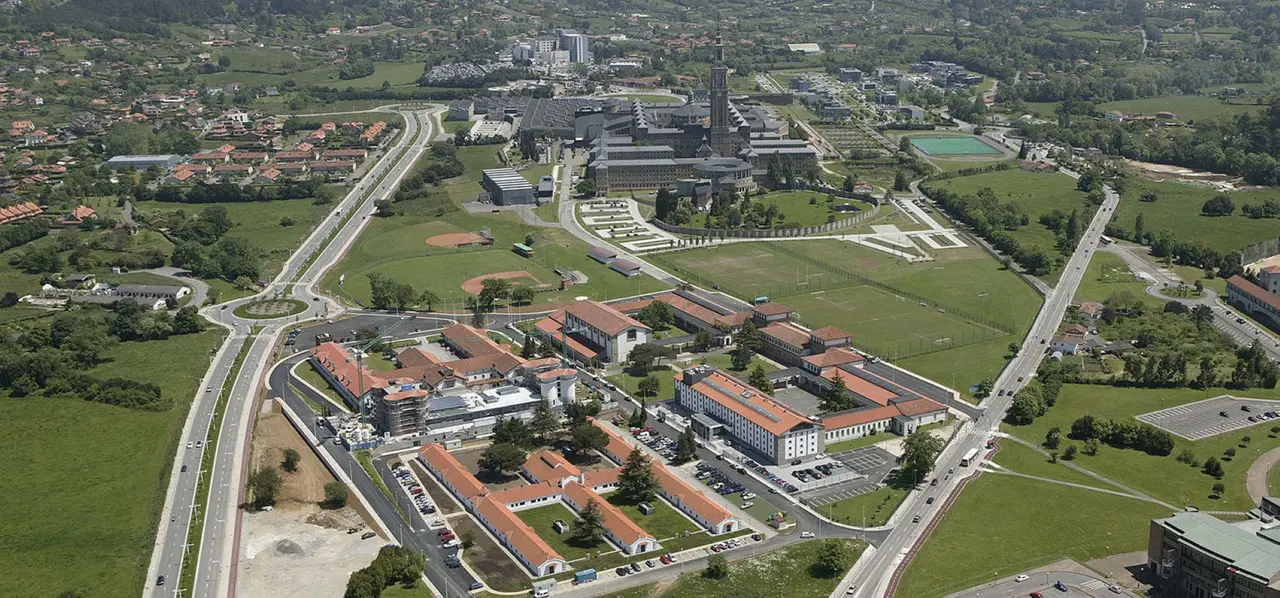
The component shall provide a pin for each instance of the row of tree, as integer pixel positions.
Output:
(1123, 434)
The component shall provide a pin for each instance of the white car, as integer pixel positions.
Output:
(435, 524)
(1114, 589)
(1021, 578)
(190, 444)
(748, 495)
(806, 535)
(747, 505)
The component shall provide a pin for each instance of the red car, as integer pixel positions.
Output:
(666, 560)
(1036, 595)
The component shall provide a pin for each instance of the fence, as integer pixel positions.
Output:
(1259, 251)
(766, 233)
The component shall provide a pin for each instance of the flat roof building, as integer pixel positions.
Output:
(1197, 554)
(506, 187)
(143, 162)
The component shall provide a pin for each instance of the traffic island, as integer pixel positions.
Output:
(270, 308)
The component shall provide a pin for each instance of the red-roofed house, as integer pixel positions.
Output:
(1259, 303)
(605, 333)
(77, 216)
(18, 212)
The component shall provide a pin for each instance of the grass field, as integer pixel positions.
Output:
(1108, 274)
(1002, 525)
(952, 145)
(259, 223)
(787, 572)
(1178, 210)
(665, 522)
(796, 208)
(866, 510)
(666, 381)
(1187, 108)
(1036, 193)
(1162, 477)
(96, 538)
(397, 246)
(1021, 459)
(541, 518)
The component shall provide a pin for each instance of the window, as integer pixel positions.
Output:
(631, 334)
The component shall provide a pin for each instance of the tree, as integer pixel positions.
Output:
(833, 557)
(1053, 438)
(1219, 205)
(586, 187)
(658, 315)
(187, 321)
(717, 567)
(686, 446)
(642, 357)
(900, 181)
(1219, 489)
(588, 528)
(1026, 407)
(760, 380)
(467, 538)
(224, 61)
(836, 397)
(648, 387)
(701, 341)
(1213, 467)
(291, 458)
(10, 299)
(512, 430)
(263, 484)
(502, 457)
(1091, 446)
(1231, 452)
(335, 495)
(638, 418)
(1071, 451)
(1149, 196)
(919, 451)
(636, 481)
(740, 357)
(545, 422)
(428, 300)
(586, 438)
(522, 295)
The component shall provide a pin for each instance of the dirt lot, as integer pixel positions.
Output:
(299, 549)
(489, 560)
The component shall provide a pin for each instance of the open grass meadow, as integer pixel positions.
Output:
(1178, 210)
(1002, 525)
(788, 572)
(796, 208)
(1186, 108)
(82, 483)
(665, 522)
(1108, 274)
(1160, 476)
(111, 245)
(1025, 460)
(1036, 193)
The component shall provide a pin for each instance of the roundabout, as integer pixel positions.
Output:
(266, 309)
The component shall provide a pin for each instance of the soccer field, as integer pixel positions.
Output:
(953, 146)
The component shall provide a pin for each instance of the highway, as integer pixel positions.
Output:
(875, 579)
(215, 567)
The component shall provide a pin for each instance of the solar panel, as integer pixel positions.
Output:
(446, 403)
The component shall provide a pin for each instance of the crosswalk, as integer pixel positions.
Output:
(1094, 584)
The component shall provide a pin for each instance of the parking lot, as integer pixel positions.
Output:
(1219, 415)
(874, 465)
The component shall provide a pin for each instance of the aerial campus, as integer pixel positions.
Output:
(640, 300)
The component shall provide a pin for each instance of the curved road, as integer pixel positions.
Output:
(215, 568)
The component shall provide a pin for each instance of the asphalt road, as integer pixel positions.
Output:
(874, 579)
(218, 544)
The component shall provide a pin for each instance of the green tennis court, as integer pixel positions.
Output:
(953, 146)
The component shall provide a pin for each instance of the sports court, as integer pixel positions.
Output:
(954, 145)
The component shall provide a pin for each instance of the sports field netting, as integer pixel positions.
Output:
(953, 146)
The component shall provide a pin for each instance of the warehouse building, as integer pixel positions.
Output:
(506, 187)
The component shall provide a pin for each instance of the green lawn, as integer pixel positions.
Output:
(1108, 274)
(1022, 459)
(871, 509)
(96, 539)
(1036, 193)
(848, 445)
(541, 518)
(1178, 210)
(1187, 108)
(796, 207)
(665, 522)
(788, 572)
(1002, 525)
(1162, 477)
(666, 380)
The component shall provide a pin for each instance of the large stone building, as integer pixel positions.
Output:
(648, 146)
(1197, 555)
(1262, 300)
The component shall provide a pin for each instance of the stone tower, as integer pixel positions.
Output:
(719, 89)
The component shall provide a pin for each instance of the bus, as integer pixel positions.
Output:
(1105, 239)
(968, 457)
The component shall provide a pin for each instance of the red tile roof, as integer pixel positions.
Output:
(518, 533)
(547, 465)
(919, 406)
(829, 333)
(450, 469)
(621, 526)
(553, 325)
(19, 212)
(602, 317)
(617, 447)
(832, 358)
(748, 402)
(866, 389)
(470, 341)
(859, 417)
(787, 334)
(772, 309)
(695, 500)
(1254, 290)
(335, 358)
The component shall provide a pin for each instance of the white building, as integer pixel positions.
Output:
(591, 330)
(776, 431)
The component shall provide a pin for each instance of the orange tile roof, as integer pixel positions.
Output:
(1255, 291)
(748, 402)
(335, 358)
(861, 387)
(518, 533)
(833, 357)
(466, 484)
(557, 373)
(859, 417)
(601, 477)
(621, 526)
(772, 309)
(829, 333)
(919, 406)
(617, 447)
(527, 492)
(546, 465)
(693, 499)
(602, 317)
(415, 357)
(471, 341)
(553, 326)
(787, 334)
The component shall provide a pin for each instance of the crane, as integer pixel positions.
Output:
(364, 401)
